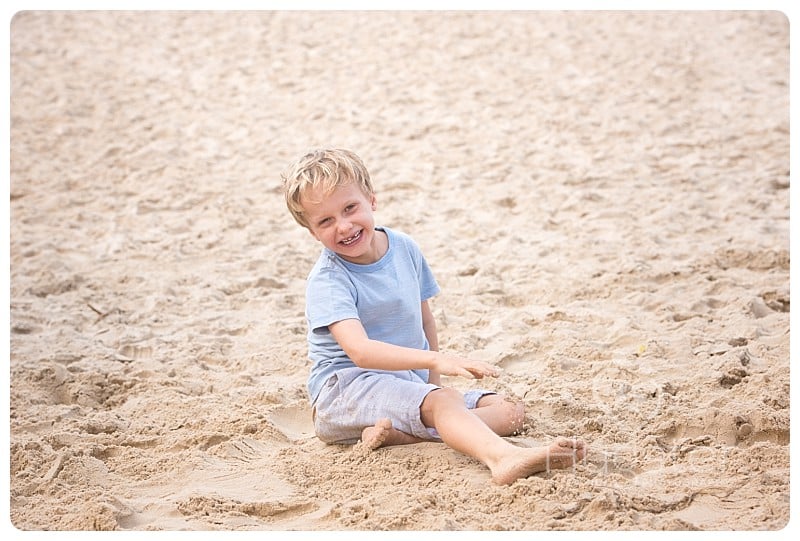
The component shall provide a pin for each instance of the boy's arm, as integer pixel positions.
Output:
(429, 326)
(376, 355)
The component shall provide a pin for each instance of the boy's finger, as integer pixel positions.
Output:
(489, 370)
(480, 372)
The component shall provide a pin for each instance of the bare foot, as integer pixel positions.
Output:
(525, 461)
(375, 436)
(382, 434)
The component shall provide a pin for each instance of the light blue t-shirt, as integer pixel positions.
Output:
(385, 296)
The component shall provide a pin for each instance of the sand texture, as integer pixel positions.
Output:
(603, 197)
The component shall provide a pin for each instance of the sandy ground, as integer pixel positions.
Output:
(602, 196)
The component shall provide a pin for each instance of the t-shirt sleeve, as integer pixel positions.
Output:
(330, 297)
(428, 287)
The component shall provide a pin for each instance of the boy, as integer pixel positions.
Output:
(372, 339)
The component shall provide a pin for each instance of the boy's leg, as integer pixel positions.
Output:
(464, 431)
(501, 415)
(504, 417)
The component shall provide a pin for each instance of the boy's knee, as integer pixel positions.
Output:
(443, 395)
(438, 399)
(516, 415)
(511, 413)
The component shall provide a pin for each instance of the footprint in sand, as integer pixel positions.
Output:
(726, 428)
(294, 422)
(236, 488)
(519, 365)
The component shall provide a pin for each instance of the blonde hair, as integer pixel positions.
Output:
(324, 169)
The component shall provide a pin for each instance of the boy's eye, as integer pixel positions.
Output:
(324, 222)
(350, 207)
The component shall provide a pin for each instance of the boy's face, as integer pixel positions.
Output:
(343, 222)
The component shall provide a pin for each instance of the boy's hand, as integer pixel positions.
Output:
(451, 365)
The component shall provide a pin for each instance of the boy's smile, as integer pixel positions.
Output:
(351, 240)
(343, 222)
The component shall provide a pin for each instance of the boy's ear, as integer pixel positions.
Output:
(374, 203)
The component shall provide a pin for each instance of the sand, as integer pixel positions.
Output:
(603, 197)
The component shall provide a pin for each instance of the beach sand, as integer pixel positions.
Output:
(603, 198)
